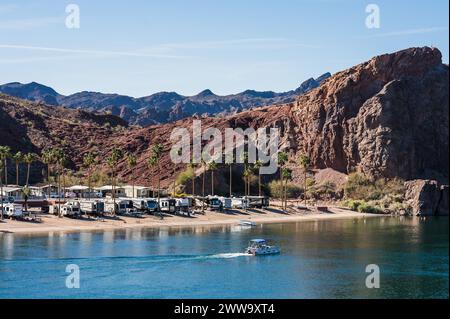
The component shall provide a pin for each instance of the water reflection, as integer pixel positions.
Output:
(320, 259)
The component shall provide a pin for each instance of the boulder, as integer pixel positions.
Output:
(427, 197)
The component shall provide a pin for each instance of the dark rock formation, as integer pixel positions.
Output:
(427, 197)
(387, 117)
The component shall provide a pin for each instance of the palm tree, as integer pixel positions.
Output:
(113, 160)
(247, 173)
(230, 166)
(1, 187)
(59, 157)
(192, 166)
(257, 167)
(157, 151)
(5, 153)
(304, 161)
(203, 184)
(244, 158)
(29, 158)
(287, 176)
(282, 159)
(26, 193)
(132, 161)
(212, 167)
(18, 159)
(89, 160)
(48, 158)
(153, 162)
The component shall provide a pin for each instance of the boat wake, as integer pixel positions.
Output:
(147, 259)
(229, 255)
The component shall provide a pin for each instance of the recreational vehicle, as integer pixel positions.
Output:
(226, 202)
(92, 207)
(69, 209)
(152, 205)
(239, 202)
(214, 203)
(182, 205)
(122, 207)
(257, 201)
(140, 204)
(13, 210)
(168, 205)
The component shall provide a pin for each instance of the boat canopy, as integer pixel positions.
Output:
(258, 241)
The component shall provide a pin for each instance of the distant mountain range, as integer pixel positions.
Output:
(162, 107)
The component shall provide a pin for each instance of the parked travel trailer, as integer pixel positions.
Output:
(182, 205)
(151, 205)
(92, 207)
(257, 201)
(140, 204)
(168, 205)
(214, 203)
(68, 209)
(123, 207)
(226, 202)
(13, 210)
(239, 202)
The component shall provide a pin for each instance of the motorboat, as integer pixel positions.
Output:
(247, 223)
(259, 247)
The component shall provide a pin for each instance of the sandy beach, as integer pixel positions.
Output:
(51, 223)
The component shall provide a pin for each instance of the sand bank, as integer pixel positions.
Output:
(50, 223)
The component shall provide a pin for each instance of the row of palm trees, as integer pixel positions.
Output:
(17, 158)
(56, 159)
(249, 171)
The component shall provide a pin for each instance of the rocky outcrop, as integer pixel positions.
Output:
(427, 197)
(387, 117)
(33, 127)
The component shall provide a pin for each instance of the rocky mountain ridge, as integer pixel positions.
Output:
(160, 107)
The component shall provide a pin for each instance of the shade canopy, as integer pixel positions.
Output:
(258, 241)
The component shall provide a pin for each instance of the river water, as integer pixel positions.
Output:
(319, 259)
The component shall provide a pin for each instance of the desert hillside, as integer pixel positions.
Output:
(386, 117)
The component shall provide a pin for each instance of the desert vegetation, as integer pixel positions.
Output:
(375, 196)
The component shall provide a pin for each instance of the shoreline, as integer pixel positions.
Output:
(52, 223)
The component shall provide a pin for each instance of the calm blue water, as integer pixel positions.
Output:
(320, 259)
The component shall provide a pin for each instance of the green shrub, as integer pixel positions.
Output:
(369, 208)
(353, 204)
(276, 190)
(358, 187)
(184, 177)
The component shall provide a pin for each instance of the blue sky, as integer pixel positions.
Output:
(142, 47)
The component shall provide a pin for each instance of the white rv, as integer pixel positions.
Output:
(123, 207)
(140, 204)
(68, 209)
(257, 201)
(239, 202)
(92, 207)
(168, 205)
(227, 203)
(214, 203)
(183, 205)
(13, 210)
